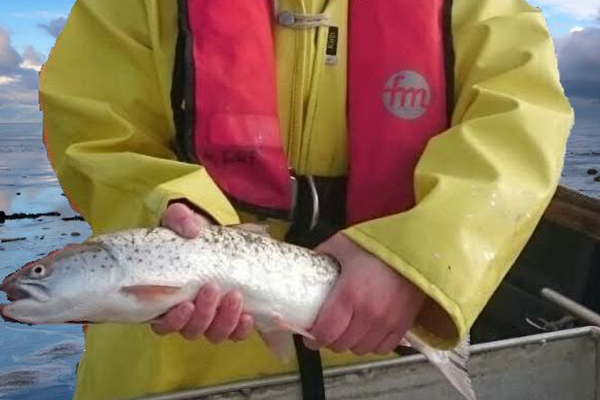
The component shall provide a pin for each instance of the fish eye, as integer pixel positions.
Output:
(39, 271)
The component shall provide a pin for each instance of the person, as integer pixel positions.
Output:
(422, 156)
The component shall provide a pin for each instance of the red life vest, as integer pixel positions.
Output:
(398, 93)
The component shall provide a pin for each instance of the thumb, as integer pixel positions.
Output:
(184, 221)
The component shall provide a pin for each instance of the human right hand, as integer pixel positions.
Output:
(213, 314)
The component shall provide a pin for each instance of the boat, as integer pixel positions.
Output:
(563, 256)
(537, 338)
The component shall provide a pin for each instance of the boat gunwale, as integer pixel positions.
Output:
(575, 210)
(482, 348)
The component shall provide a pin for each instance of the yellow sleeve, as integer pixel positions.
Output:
(483, 185)
(105, 95)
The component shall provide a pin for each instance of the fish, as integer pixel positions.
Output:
(135, 276)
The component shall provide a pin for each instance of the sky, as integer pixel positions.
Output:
(28, 30)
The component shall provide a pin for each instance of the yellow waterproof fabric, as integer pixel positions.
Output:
(482, 186)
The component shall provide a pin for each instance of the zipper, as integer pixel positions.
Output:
(310, 49)
(319, 65)
(295, 137)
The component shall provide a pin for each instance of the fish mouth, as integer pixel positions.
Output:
(14, 292)
(7, 318)
(25, 291)
(15, 295)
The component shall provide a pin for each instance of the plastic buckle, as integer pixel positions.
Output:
(314, 194)
(316, 203)
(294, 189)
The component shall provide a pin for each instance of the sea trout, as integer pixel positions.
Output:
(137, 275)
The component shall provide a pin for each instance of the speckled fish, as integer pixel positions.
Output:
(137, 275)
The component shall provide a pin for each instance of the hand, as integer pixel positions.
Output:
(371, 307)
(213, 314)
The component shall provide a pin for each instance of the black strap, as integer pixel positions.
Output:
(332, 200)
(332, 211)
(311, 371)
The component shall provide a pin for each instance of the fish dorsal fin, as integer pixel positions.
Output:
(258, 229)
(150, 292)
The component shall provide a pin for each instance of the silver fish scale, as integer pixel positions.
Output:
(274, 277)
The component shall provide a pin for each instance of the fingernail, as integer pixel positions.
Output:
(189, 228)
(246, 320)
(158, 328)
(233, 301)
(186, 309)
(312, 345)
(209, 292)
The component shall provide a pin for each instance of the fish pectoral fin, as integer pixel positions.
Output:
(281, 343)
(277, 333)
(258, 229)
(275, 322)
(150, 292)
(292, 328)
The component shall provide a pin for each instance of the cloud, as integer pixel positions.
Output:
(579, 61)
(18, 81)
(32, 59)
(10, 59)
(578, 9)
(54, 27)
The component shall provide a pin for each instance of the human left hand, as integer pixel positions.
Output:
(371, 307)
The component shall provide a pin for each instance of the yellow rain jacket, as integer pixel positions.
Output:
(481, 187)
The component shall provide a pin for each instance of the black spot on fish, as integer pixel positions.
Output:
(103, 266)
(129, 259)
(94, 256)
(139, 260)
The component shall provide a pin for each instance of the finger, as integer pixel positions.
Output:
(357, 330)
(389, 344)
(226, 319)
(174, 320)
(332, 321)
(243, 329)
(183, 221)
(370, 342)
(204, 312)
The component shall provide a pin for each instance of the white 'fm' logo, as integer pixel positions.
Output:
(407, 95)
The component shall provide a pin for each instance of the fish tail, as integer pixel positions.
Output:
(453, 363)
